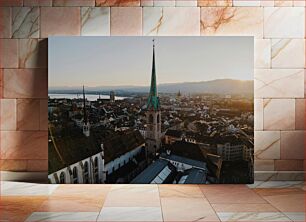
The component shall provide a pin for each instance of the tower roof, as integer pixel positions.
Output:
(153, 100)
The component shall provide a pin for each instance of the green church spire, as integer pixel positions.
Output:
(153, 100)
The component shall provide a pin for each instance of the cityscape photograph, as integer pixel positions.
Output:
(151, 110)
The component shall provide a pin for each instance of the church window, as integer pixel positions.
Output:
(158, 118)
(86, 173)
(75, 175)
(62, 177)
(96, 170)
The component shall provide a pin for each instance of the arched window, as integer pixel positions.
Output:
(150, 118)
(62, 178)
(86, 173)
(75, 175)
(157, 118)
(96, 170)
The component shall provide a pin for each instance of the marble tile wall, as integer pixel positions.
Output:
(277, 25)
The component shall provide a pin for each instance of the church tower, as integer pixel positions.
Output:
(86, 126)
(153, 114)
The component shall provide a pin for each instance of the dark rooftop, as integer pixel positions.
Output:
(174, 133)
(185, 160)
(195, 176)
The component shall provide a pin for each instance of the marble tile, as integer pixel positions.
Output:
(225, 194)
(133, 196)
(8, 53)
(163, 3)
(122, 3)
(25, 22)
(126, 21)
(186, 3)
(267, 3)
(262, 53)
(292, 145)
(289, 165)
(279, 114)
(253, 216)
(182, 191)
(279, 175)
(146, 2)
(5, 22)
(28, 114)
(25, 83)
(8, 114)
(63, 216)
(229, 21)
(194, 209)
(299, 3)
(264, 207)
(37, 165)
(33, 53)
(37, 2)
(279, 83)
(211, 3)
(246, 3)
(279, 3)
(277, 184)
(95, 21)
(267, 144)
(288, 53)
(13, 165)
(26, 189)
(258, 114)
(278, 22)
(171, 21)
(1, 83)
(263, 165)
(52, 16)
(295, 216)
(130, 214)
(5, 3)
(43, 114)
(23, 144)
(73, 2)
(18, 208)
(305, 83)
(300, 114)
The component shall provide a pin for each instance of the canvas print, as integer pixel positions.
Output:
(151, 110)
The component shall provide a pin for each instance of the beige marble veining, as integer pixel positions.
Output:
(246, 3)
(146, 2)
(95, 21)
(279, 83)
(267, 145)
(288, 53)
(164, 3)
(258, 114)
(279, 3)
(32, 53)
(229, 21)
(171, 21)
(262, 53)
(207, 3)
(25, 22)
(267, 3)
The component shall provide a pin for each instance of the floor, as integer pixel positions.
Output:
(263, 201)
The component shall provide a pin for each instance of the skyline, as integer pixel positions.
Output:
(127, 60)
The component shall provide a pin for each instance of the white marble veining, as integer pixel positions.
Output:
(252, 216)
(288, 53)
(163, 3)
(276, 184)
(171, 21)
(63, 216)
(26, 189)
(279, 83)
(95, 21)
(262, 53)
(295, 216)
(267, 145)
(186, 3)
(25, 22)
(130, 214)
(258, 114)
(284, 22)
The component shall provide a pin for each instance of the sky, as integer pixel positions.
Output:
(127, 61)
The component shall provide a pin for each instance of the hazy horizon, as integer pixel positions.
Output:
(127, 61)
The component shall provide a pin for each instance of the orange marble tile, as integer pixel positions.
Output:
(263, 207)
(37, 165)
(230, 194)
(5, 22)
(215, 3)
(13, 165)
(25, 83)
(117, 2)
(28, 114)
(37, 2)
(43, 114)
(73, 2)
(18, 208)
(8, 53)
(8, 114)
(186, 191)
(4, 3)
(51, 17)
(24, 144)
(289, 165)
(126, 21)
(299, 114)
(1, 83)
(292, 145)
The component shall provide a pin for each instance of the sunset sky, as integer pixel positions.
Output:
(116, 61)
